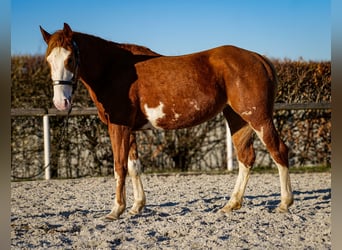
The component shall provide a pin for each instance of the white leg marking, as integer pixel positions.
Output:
(235, 201)
(285, 188)
(260, 134)
(153, 114)
(134, 167)
(134, 170)
(284, 176)
(117, 209)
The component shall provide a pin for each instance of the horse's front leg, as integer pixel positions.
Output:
(119, 136)
(134, 170)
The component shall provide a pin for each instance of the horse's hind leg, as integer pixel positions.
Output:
(242, 135)
(279, 153)
(134, 170)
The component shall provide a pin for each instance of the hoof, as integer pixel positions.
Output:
(116, 212)
(134, 212)
(282, 209)
(137, 207)
(228, 208)
(231, 205)
(110, 217)
(225, 210)
(284, 206)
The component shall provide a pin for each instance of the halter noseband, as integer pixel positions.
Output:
(73, 81)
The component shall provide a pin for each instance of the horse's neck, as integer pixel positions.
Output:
(97, 56)
(95, 47)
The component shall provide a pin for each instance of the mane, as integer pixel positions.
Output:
(58, 39)
(137, 49)
(132, 48)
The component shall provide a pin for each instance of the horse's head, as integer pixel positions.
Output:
(62, 54)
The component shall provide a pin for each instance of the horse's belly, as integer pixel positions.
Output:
(187, 114)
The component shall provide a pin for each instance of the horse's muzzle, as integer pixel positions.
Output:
(62, 94)
(63, 105)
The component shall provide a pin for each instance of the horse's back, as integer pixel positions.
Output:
(182, 91)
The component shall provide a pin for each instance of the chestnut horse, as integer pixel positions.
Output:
(135, 88)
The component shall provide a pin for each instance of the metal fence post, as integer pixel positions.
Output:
(46, 126)
(229, 148)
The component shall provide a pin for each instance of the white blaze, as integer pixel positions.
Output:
(56, 60)
(62, 93)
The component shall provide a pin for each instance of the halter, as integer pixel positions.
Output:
(73, 81)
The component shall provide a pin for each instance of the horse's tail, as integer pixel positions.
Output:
(272, 73)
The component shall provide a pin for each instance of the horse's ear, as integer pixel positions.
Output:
(46, 35)
(67, 30)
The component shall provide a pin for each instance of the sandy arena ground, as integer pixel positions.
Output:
(181, 213)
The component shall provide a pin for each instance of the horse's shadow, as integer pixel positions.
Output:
(181, 209)
(211, 205)
(270, 202)
(64, 214)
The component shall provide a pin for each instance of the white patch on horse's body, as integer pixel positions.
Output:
(249, 112)
(154, 114)
(194, 104)
(176, 115)
(62, 93)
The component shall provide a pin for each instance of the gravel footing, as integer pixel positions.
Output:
(181, 213)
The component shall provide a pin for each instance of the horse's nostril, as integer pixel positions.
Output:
(66, 103)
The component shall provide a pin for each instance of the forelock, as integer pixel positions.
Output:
(58, 39)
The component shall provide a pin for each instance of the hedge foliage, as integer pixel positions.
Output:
(85, 149)
(299, 82)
